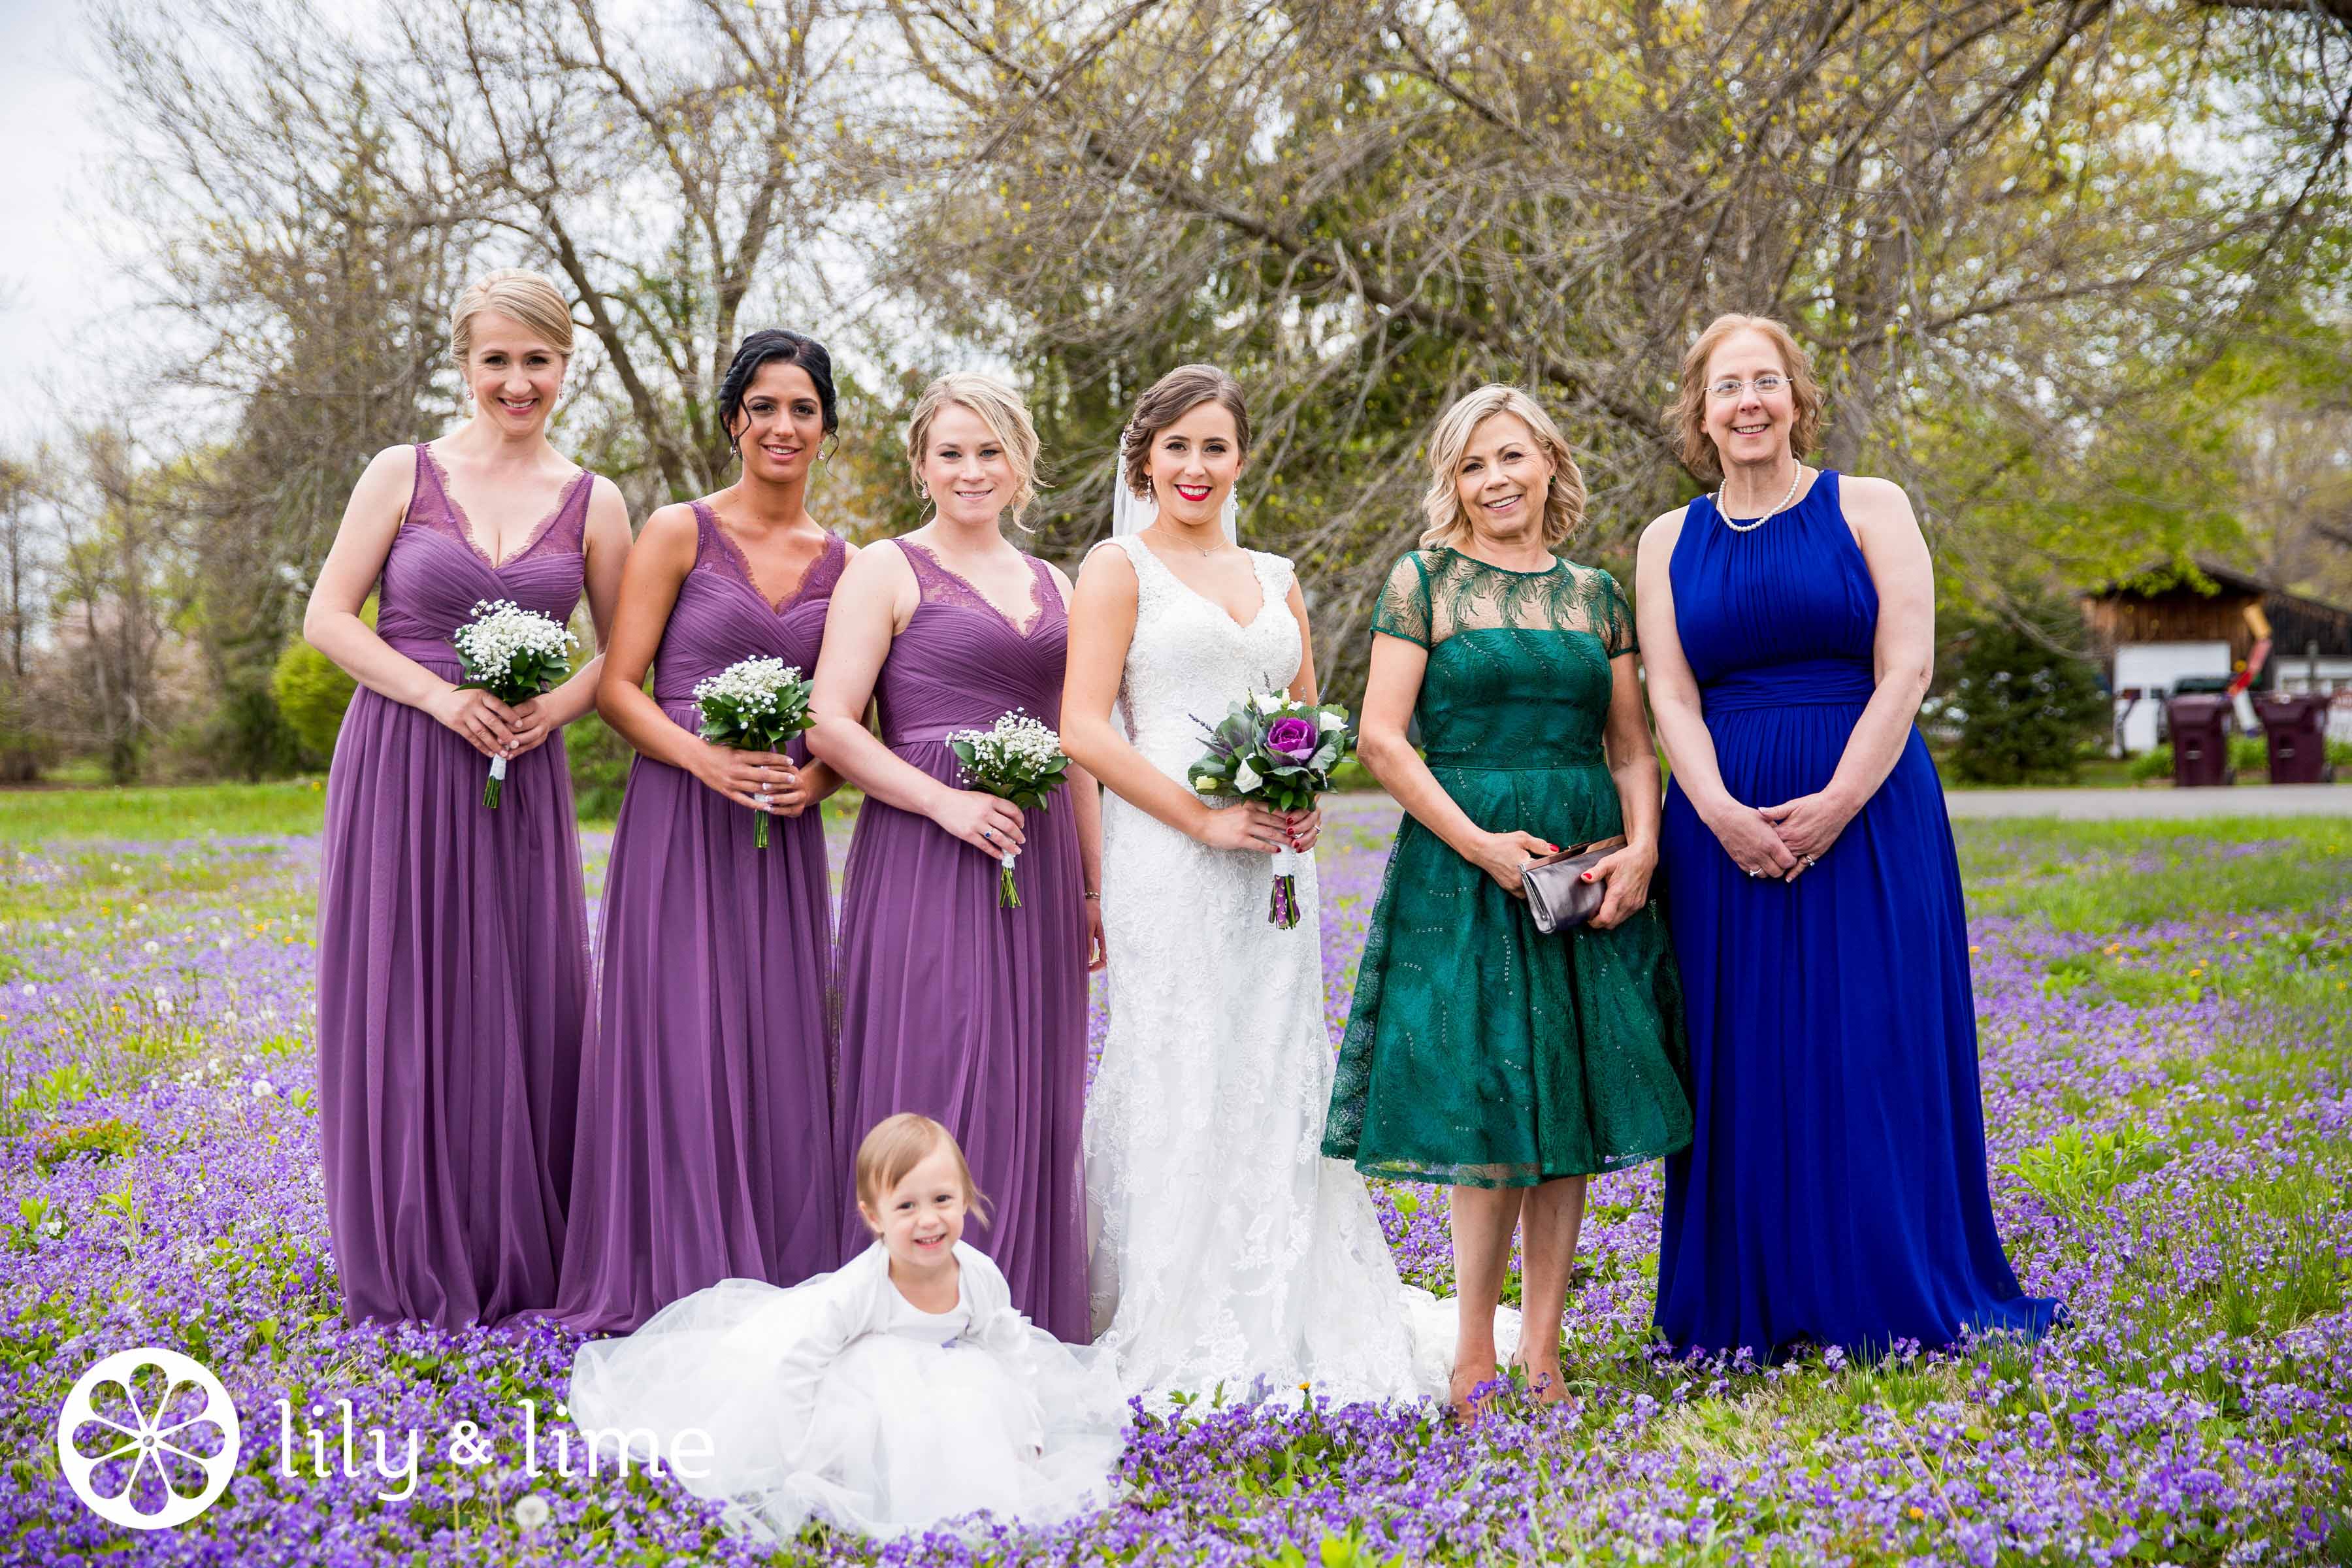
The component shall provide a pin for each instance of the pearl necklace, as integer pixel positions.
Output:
(1738, 527)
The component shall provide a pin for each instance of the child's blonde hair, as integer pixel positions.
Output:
(899, 1143)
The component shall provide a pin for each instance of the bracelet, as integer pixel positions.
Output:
(1096, 897)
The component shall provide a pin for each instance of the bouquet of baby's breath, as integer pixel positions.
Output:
(1018, 759)
(1280, 753)
(754, 705)
(514, 655)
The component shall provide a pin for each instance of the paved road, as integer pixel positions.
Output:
(2125, 805)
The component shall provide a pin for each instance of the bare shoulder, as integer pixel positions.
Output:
(1061, 580)
(878, 562)
(1109, 568)
(1662, 530)
(379, 501)
(391, 463)
(1871, 502)
(608, 509)
(879, 573)
(670, 535)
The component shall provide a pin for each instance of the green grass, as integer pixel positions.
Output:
(165, 811)
(172, 811)
(2098, 876)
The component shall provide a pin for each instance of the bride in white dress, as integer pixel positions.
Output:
(1231, 1254)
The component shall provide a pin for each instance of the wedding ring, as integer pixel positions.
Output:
(1810, 861)
(1754, 872)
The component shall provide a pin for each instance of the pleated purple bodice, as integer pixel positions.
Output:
(435, 572)
(721, 618)
(961, 664)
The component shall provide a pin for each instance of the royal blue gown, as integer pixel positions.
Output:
(1834, 1192)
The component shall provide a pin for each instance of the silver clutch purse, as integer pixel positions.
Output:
(1558, 895)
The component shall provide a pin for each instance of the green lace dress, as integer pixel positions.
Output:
(1480, 1052)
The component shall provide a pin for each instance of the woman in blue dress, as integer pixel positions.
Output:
(1834, 1192)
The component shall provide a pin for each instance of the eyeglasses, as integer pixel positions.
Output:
(1732, 386)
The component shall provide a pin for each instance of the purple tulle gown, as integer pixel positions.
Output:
(452, 958)
(706, 1146)
(952, 1005)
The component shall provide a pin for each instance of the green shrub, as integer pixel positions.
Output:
(247, 735)
(312, 693)
(2152, 765)
(2250, 754)
(600, 761)
(2025, 704)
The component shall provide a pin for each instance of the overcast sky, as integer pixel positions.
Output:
(54, 285)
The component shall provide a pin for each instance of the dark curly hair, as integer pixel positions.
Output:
(774, 345)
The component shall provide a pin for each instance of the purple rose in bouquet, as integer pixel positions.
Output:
(1280, 753)
(1294, 738)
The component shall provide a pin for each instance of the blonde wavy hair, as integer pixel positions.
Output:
(1686, 417)
(527, 297)
(999, 407)
(899, 1143)
(1441, 504)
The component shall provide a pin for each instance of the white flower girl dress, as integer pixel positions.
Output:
(839, 1400)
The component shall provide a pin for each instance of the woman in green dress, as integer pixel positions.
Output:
(1481, 1054)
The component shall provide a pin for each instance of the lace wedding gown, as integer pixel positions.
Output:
(1230, 1252)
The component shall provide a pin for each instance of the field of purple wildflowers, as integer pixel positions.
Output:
(2167, 1037)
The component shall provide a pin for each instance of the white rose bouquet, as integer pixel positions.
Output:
(1280, 754)
(514, 655)
(1018, 759)
(754, 705)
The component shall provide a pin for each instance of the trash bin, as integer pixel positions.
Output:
(2201, 740)
(2296, 725)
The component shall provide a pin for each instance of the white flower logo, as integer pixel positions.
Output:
(148, 1438)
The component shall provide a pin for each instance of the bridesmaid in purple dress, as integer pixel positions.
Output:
(971, 1014)
(453, 942)
(706, 1148)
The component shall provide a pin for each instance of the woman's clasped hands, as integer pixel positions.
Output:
(1781, 841)
(1249, 826)
(763, 781)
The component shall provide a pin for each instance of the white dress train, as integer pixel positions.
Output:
(838, 1399)
(1229, 1254)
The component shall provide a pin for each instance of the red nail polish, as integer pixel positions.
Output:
(1588, 876)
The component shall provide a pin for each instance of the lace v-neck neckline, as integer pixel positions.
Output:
(464, 521)
(1036, 589)
(742, 563)
(1265, 599)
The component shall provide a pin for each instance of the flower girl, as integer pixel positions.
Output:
(898, 1392)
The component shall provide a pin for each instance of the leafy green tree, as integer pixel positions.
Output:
(2026, 699)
